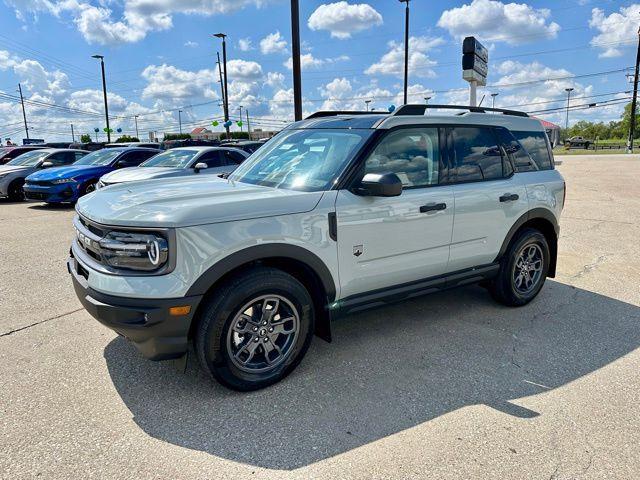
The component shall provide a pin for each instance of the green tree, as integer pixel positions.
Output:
(127, 138)
(626, 122)
(86, 138)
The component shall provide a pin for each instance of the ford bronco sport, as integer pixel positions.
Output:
(339, 212)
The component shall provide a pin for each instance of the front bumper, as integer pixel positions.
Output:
(65, 192)
(145, 322)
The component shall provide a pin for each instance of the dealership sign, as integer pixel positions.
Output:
(475, 61)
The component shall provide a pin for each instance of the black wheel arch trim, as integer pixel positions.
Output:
(263, 252)
(536, 213)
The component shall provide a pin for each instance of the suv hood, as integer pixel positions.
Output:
(188, 201)
(133, 174)
(69, 171)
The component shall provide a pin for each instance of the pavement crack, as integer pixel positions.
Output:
(16, 330)
(591, 266)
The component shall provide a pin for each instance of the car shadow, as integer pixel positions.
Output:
(386, 371)
(52, 206)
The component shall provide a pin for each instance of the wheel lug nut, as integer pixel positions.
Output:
(271, 329)
(264, 323)
(255, 329)
(266, 339)
(256, 339)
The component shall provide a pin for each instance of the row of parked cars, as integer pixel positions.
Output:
(61, 175)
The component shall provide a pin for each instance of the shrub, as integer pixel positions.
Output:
(126, 139)
(86, 138)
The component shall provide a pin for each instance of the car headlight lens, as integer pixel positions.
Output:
(135, 251)
(63, 180)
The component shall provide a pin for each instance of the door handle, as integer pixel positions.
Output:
(433, 207)
(509, 197)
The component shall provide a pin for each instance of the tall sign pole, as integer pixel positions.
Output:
(475, 66)
(406, 50)
(226, 91)
(632, 125)
(295, 57)
(24, 114)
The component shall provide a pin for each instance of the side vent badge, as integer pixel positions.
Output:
(358, 250)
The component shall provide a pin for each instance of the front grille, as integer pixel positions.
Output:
(40, 183)
(36, 195)
(88, 237)
(95, 229)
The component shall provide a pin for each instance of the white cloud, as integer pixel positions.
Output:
(275, 80)
(281, 105)
(615, 29)
(309, 62)
(172, 85)
(343, 19)
(191, 44)
(244, 70)
(420, 65)
(273, 43)
(494, 21)
(335, 93)
(7, 60)
(244, 44)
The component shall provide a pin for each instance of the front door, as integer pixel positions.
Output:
(387, 241)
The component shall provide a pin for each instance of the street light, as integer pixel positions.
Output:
(240, 108)
(493, 99)
(295, 60)
(566, 124)
(367, 103)
(226, 92)
(104, 93)
(135, 117)
(180, 121)
(406, 49)
(426, 100)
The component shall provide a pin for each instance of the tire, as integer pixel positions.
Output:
(15, 192)
(88, 187)
(224, 340)
(512, 287)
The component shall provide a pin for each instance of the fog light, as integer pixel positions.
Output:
(180, 311)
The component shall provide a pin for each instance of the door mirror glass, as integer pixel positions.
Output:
(199, 166)
(46, 165)
(380, 185)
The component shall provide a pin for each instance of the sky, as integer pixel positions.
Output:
(160, 58)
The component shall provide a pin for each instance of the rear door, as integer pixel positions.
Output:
(489, 198)
(62, 158)
(388, 241)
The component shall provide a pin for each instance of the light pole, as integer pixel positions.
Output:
(493, 99)
(73, 135)
(226, 92)
(104, 93)
(566, 123)
(295, 60)
(180, 121)
(406, 49)
(248, 124)
(24, 113)
(426, 100)
(240, 108)
(367, 102)
(136, 120)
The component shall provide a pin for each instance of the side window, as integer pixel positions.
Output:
(537, 145)
(233, 158)
(411, 153)
(476, 155)
(132, 159)
(61, 158)
(515, 151)
(212, 159)
(79, 155)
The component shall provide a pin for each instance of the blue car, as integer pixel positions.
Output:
(67, 184)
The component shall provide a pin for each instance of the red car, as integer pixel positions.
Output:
(9, 153)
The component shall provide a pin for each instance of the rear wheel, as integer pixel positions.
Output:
(89, 187)
(256, 329)
(15, 193)
(523, 269)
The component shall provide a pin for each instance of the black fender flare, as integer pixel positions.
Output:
(541, 213)
(260, 252)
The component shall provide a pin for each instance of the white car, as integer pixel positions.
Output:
(335, 214)
(179, 162)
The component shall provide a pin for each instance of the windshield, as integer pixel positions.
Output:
(309, 160)
(101, 157)
(171, 158)
(29, 159)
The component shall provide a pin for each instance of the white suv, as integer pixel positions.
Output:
(337, 213)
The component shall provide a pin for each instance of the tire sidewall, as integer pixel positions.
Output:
(15, 193)
(222, 313)
(528, 237)
(86, 186)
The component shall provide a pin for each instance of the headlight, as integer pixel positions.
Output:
(63, 180)
(135, 251)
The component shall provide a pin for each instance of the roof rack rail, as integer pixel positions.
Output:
(420, 109)
(333, 113)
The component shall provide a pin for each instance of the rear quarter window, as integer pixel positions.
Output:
(537, 146)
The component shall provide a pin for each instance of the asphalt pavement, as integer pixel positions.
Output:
(450, 385)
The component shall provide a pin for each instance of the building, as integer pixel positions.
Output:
(553, 132)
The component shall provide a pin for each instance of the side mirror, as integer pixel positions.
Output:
(199, 166)
(46, 165)
(380, 185)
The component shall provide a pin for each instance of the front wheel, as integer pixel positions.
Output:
(89, 187)
(255, 329)
(523, 269)
(15, 193)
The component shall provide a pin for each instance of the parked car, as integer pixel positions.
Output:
(168, 144)
(246, 145)
(90, 146)
(578, 142)
(9, 153)
(335, 214)
(179, 162)
(13, 174)
(67, 184)
(155, 145)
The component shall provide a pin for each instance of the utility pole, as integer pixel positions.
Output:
(73, 136)
(248, 124)
(24, 114)
(180, 121)
(104, 93)
(632, 125)
(566, 122)
(240, 108)
(221, 84)
(135, 118)
(493, 99)
(406, 49)
(226, 91)
(295, 60)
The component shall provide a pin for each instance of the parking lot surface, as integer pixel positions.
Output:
(450, 385)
